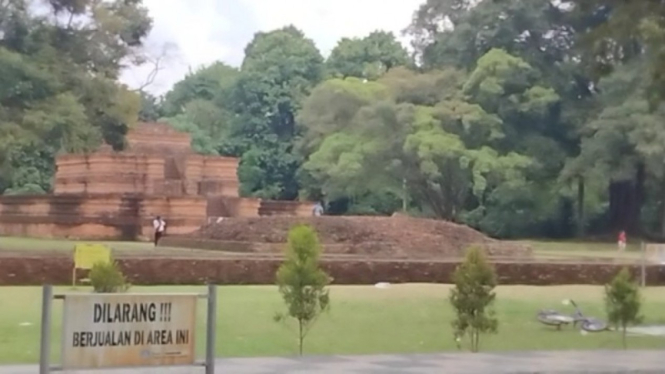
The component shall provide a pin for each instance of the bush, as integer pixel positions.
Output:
(106, 277)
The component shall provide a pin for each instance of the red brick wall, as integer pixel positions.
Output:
(107, 216)
(39, 270)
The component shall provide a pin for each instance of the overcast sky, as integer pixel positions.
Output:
(204, 31)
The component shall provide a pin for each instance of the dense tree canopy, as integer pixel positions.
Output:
(369, 57)
(279, 71)
(59, 90)
(536, 118)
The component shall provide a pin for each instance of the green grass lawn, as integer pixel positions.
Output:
(36, 244)
(554, 249)
(362, 320)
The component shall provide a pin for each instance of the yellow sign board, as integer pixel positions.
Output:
(87, 255)
(116, 330)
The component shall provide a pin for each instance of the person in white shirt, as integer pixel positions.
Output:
(160, 225)
(318, 210)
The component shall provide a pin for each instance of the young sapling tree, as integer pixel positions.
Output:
(302, 282)
(623, 302)
(473, 297)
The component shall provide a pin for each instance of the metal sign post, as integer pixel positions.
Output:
(106, 331)
(211, 328)
(45, 342)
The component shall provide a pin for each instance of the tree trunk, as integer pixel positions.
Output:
(581, 220)
(300, 336)
(626, 199)
(623, 336)
(404, 195)
(566, 217)
(620, 192)
(640, 180)
(662, 211)
(474, 341)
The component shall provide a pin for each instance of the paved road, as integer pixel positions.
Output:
(596, 362)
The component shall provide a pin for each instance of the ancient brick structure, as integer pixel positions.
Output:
(114, 195)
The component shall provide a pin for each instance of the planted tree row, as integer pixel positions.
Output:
(303, 285)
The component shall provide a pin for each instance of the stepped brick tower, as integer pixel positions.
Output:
(115, 195)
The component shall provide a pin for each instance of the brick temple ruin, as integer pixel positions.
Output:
(115, 195)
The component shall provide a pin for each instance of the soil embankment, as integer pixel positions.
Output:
(379, 237)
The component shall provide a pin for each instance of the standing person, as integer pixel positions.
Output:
(622, 241)
(159, 224)
(318, 209)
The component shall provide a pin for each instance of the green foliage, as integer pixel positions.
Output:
(301, 281)
(533, 81)
(279, 71)
(473, 30)
(150, 109)
(449, 152)
(622, 42)
(331, 107)
(473, 298)
(519, 118)
(621, 31)
(58, 91)
(213, 83)
(200, 105)
(106, 277)
(369, 57)
(201, 142)
(623, 302)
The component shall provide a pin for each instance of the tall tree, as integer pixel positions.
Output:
(621, 30)
(446, 153)
(623, 41)
(279, 71)
(623, 142)
(543, 34)
(59, 91)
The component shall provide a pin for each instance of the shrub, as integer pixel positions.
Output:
(106, 277)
